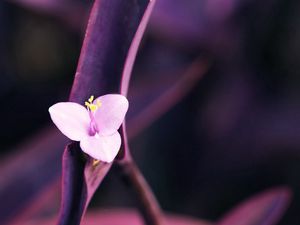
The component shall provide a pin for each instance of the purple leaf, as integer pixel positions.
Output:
(112, 37)
(182, 83)
(27, 174)
(167, 94)
(128, 69)
(193, 23)
(80, 180)
(110, 32)
(46, 201)
(265, 208)
(122, 217)
(145, 116)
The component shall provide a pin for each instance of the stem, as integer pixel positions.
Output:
(149, 206)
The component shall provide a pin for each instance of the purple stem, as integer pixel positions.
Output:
(149, 206)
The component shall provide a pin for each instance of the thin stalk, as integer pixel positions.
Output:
(149, 206)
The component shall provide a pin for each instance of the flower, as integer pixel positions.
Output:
(96, 126)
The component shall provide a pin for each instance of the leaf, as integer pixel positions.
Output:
(265, 208)
(27, 174)
(123, 217)
(126, 75)
(38, 159)
(167, 94)
(47, 200)
(110, 32)
(80, 180)
(32, 154)
(112, 38)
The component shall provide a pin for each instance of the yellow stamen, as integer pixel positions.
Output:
(91, 106)
(99, 103)
(91, 99)
(96, 162)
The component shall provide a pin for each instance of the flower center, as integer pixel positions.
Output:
(92, 108)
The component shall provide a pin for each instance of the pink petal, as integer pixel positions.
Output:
(104, 148)
(71, 119)
(111, 114)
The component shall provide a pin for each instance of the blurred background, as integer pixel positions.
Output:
(221, 78)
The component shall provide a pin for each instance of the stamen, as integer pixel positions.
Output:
(90, 106)
(93, 107)
(96, 162)
(91, 99)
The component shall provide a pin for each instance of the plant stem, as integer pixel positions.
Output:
(149, 206)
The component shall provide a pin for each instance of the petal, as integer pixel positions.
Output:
(110, 115)
(71, 119)
(104, 148)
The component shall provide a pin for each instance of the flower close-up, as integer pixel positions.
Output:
(95, 127)
(212, 134)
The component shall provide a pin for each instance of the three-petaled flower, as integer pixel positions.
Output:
(96, 126)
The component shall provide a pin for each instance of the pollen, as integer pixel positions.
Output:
(99, 103)
(91, 106)
(96, 162)
(91, 99)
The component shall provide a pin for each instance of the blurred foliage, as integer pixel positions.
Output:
(235, 134)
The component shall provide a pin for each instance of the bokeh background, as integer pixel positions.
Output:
(232, 130)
